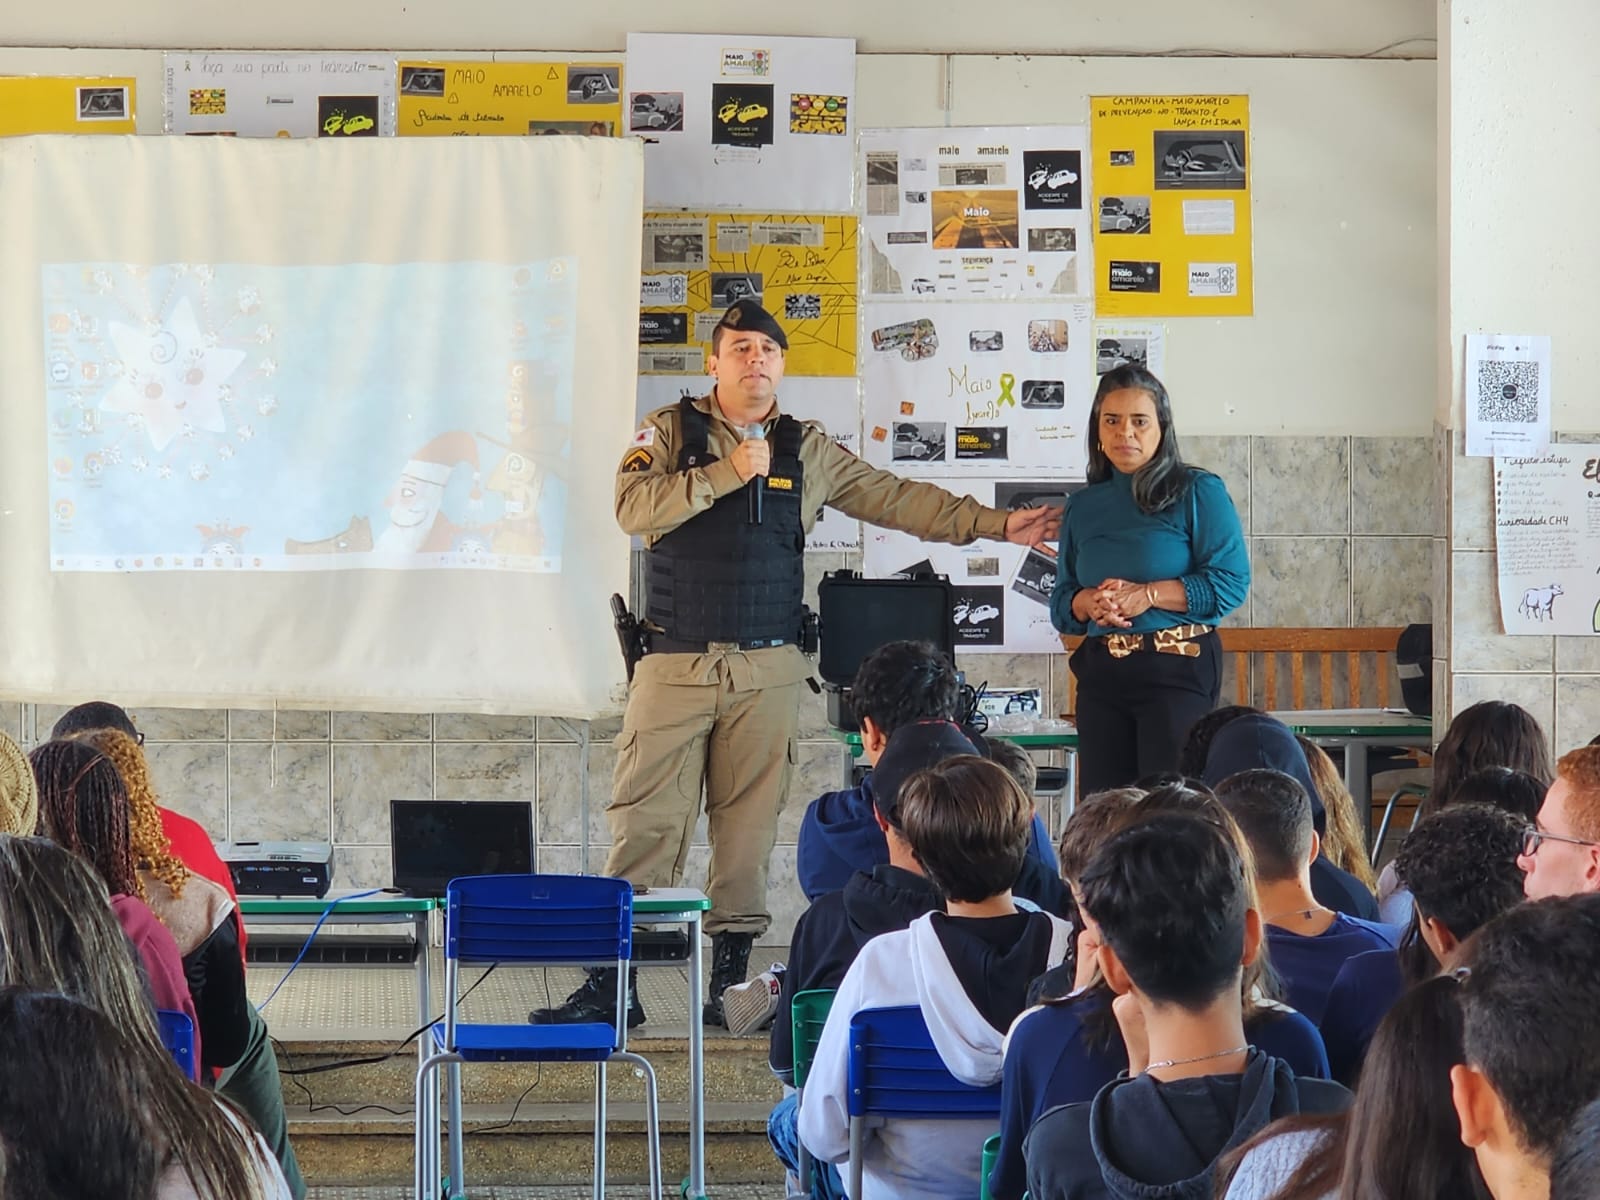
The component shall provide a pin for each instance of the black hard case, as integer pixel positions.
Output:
(858, 615)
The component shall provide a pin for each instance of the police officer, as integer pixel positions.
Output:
(715, 704)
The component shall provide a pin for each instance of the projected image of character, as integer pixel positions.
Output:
(416, 523)
(519, 482)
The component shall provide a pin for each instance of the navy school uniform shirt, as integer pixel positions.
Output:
(1055, 1057)
(1309, 965)
(1197, 541)
(1363, 992)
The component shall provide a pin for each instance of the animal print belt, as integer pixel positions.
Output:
(1179, 639)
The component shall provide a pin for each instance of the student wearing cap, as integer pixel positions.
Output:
(723, 490)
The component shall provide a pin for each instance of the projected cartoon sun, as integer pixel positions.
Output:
(168, 378)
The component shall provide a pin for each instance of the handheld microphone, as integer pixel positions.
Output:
(758, 484)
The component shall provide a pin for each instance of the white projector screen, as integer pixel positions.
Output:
(315, 423)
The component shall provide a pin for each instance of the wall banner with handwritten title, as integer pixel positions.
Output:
(1547, 540)
(801, 269)
(227, 94)
(1172, 206)
(439, 99)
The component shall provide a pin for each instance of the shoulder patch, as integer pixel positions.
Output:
(645, 437)
(638, 459)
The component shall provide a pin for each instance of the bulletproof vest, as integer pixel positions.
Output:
(720, 578)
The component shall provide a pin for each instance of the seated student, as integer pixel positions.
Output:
(898, 684)
(1399, 1140)
(1067, 1048)
(830, 934)
(967, 968)
(1197, 742)
(1575, 1173)
(1040, 878)
(1562, 854)
(1309, 942)
(85, 1110)
(1515, 792)
(57, 935)
(1256, 740)
(1461, 867)
(1343, 842)
(1530, 1007)
(1174, 956)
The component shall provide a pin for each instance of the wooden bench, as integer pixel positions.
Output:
(1323, 668)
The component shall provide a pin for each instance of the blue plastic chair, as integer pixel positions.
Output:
(177, 1035)
(894, 1071)
(549, 920)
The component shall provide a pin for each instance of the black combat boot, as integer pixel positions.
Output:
(730, 960)
(595, 1001)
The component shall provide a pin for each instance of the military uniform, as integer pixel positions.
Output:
(709, 707)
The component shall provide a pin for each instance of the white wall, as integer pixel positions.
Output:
(1342, 171)
(881, 26)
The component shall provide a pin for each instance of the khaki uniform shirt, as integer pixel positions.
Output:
(653, 498)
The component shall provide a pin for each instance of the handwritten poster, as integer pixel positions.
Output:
(976, 389)
(801, 269)
(997, 213)
(65, 104)
(332, 94)
(1172, 206)
(1547, 540)
(440, 99)
(746, 122)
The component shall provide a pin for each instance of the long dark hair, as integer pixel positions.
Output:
(1405, 1084)
(1165, 479)
(83, 805)
(1490, 733)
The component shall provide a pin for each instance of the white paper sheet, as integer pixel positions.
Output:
(763, 123)
(332, 94)
(1547, 540)
(1507, 394)
(977, 212)
(977, 390)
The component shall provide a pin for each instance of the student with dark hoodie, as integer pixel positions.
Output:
(1196, 1088)
(898, 684)
(967, 968)
(1256, 740)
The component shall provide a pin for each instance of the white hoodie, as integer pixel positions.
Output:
(909, 1158)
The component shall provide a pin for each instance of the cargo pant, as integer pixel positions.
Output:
(713, 723)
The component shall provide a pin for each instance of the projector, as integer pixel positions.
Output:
(279, 868)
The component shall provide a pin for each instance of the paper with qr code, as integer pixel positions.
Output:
(1547, 540)
(1507, 394)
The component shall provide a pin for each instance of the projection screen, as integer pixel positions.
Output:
(315, 423)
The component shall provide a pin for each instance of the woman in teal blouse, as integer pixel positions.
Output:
(1151, 558)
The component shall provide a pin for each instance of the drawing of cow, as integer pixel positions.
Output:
(1539, 603)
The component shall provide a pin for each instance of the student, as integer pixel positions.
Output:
(1256, 740)
(1039, 880)
(967, 968)
(1530, 1007)
(1399, 1140)
(1562, 854)
(898, 684)
(1575, 1174)
(1197, 744)
(1461, 868)
(1173, 956)
(1343, 842)
(1067, 1048)
(830, 934)
(1309, 941)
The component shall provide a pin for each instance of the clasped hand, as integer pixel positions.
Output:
(1116, 602)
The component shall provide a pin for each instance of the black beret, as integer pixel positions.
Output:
(749, 317)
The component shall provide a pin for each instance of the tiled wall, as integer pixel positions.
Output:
(1555, 678)
(1339, 533)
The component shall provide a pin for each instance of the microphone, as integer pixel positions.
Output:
(758, 484)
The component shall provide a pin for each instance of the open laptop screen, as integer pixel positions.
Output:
(435, 841)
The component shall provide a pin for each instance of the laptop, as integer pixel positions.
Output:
(435, 841)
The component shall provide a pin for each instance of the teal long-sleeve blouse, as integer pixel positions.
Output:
(1197, 541)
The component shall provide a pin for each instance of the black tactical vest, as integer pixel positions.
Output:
(720, 578)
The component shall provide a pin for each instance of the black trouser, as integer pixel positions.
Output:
(1134, 712)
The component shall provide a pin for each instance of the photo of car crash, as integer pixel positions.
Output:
(1200, 161)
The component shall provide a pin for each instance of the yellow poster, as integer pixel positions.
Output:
(801, 269)
(1172, 200)
(440, 99)
(65, 104)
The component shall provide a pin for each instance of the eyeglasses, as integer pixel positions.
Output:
(1534, 838)
(138, 736)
